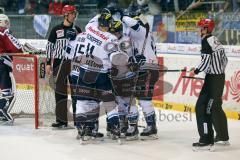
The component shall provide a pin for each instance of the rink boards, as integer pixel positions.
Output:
(184, 91)
(180, 93)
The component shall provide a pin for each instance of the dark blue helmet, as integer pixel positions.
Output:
(116, 26)
(105, 19)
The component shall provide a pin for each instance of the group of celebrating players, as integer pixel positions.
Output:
(115, 57)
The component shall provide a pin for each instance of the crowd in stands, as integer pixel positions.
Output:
(153, 6)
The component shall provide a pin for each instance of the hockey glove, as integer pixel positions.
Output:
(141, 59)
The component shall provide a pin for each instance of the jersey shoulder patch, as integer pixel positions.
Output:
(214, 43)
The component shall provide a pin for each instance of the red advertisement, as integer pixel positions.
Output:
(23, 70)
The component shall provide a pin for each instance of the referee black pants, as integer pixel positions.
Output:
(61, 72)
(209, 110)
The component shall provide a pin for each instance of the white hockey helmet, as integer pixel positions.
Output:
(4, 21)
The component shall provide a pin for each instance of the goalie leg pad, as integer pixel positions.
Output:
(5, 77)
(6, 104)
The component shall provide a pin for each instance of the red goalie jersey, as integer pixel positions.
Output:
(8, 43)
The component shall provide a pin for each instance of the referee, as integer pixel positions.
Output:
(209, 104)
(58, 39)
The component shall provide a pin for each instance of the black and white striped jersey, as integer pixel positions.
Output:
(57, 42)
(213, 56)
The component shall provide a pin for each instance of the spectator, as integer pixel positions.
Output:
(37, 6)
(167, 5)
(21, 6)
(55, 7)
(6, 4)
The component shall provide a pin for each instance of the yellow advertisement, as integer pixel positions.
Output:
(188, 21)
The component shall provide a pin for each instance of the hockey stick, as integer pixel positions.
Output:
(199, 78)
(61, 64)
(173, 70)
(139, 64)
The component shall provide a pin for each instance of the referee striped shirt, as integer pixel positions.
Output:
(57, 41)
(213, 56)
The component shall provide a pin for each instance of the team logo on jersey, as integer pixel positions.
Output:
(60, 33)
(98, 33)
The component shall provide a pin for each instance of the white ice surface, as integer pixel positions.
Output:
(23, 142)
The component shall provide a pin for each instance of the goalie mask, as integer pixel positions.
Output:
(4, 21)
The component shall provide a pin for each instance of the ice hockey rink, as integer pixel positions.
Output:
(23, 142)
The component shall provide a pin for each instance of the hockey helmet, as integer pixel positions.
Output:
(4, 21)
(207, 23)
(133, 10)
(68, 9)
(105, 11)
(105, 19)
(116, 26)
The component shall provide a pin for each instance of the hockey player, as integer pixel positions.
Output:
(122, 77)
(145, 56)
(209, 104)
(8, 44)
(91, 73)
(137, 28)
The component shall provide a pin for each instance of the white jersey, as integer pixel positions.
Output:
(93, 23)
(137, 33)
(88, 51)
(124, 44)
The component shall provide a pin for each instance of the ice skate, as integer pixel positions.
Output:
(84, 134)
(203, 147)
(123, 128)
(97, 135)
(115, 133)
(218, 141)
(61, 126)
(132, 132)
(149, 133)
(108, 134)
